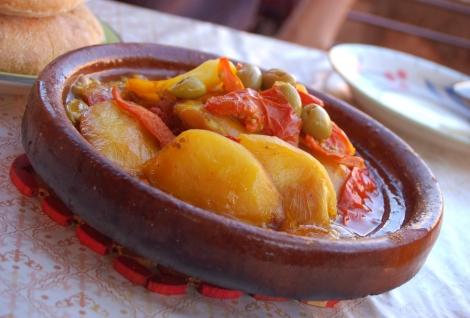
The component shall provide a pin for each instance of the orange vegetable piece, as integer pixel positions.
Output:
(354, 194)
(151, 121)
(281, 119)
(244, 105)
(337, 148)
(267, 112)
(308, 98)
(229, 79)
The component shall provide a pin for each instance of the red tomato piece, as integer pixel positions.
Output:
(354, 194)
(267, 112)
(282, 121)
(338, 142)
(151, 121)
(244, 105)
(337, 148)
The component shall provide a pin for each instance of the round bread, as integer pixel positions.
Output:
(37, 8)
(29, 44)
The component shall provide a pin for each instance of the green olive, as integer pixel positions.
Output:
(316, 121)
(188, 88)
(251, 76)
(75, 109)
(276, 75)
(292, 96)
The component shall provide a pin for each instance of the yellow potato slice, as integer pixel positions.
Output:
(118, 136)
(215, 173)
(307, 192)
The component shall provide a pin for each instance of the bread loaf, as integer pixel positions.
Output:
(37, 8)
(29, 44)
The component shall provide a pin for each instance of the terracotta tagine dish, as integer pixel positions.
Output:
(236, 176)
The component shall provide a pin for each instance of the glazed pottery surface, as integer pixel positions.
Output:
(212, 247)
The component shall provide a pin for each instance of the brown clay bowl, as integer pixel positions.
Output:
(214, 248)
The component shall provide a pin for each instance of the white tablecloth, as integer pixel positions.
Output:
(44, 272)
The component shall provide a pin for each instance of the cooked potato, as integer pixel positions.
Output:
(193, 115)
(215, 173)
(118, 136)
(307, 192)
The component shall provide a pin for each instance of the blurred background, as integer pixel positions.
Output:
(438, 30)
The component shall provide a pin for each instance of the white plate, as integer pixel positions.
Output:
(405, 92)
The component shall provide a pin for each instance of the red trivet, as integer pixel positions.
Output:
(155, 278)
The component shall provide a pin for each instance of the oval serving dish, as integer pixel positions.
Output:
(212, 247)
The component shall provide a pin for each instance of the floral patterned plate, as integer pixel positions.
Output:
(407, 93)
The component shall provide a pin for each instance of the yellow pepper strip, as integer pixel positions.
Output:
(143, 88)
(207, 72)
(301, 88)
